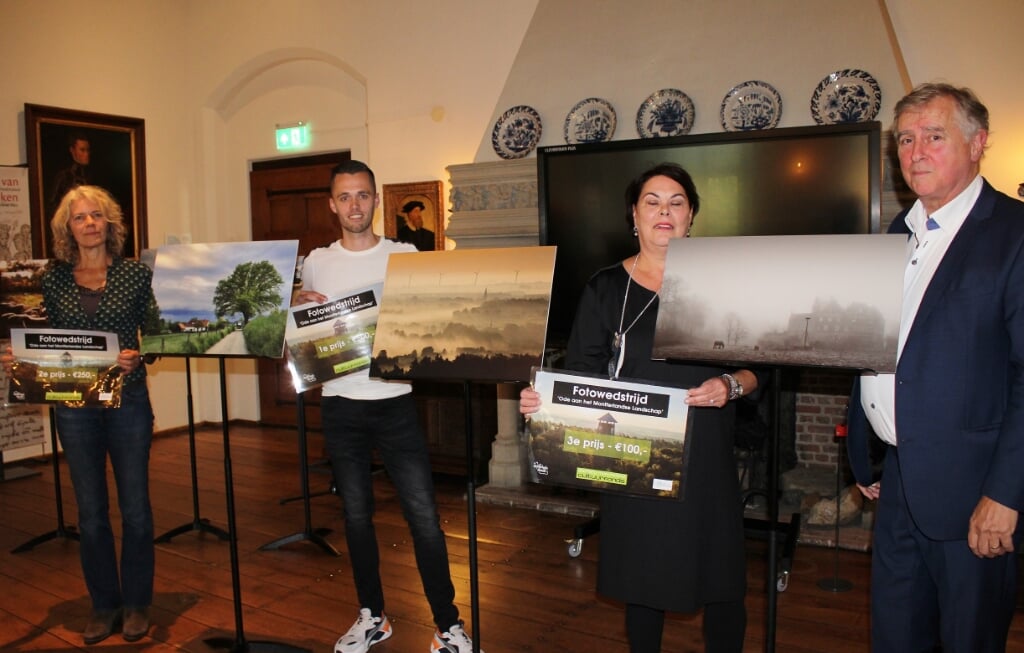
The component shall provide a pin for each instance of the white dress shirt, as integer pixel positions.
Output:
(930, 238)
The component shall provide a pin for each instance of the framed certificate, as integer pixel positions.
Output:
(614, 436)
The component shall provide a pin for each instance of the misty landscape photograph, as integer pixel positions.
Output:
(476, 314)
(828, 301)
(221, 299)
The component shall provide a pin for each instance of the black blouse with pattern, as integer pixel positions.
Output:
(122, 309)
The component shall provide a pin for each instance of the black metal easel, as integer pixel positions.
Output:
(238, 644)
(62, 531)
(308, 533)
(835, 583)
(197, 523)
(773, 515)
(474, 599)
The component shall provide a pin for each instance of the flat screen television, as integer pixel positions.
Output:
(790, 181)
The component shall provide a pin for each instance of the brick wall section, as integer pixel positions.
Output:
(821, 401)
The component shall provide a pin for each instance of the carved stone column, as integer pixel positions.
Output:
(494, 204)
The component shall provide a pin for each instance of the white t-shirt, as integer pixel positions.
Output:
(333, 270)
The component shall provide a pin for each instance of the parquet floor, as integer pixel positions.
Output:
(532, 595)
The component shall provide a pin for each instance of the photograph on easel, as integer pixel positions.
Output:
(477, 314)
(220, 299)
(823, 300)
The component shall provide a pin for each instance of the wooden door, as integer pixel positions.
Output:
(289, 200)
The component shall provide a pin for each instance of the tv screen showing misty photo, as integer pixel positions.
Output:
(776, 182)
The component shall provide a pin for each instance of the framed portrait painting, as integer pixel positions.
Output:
(414, 213)
(68, 148)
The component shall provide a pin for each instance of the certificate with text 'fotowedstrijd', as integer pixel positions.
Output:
(615, 436)
(329, 340)
(74, 368)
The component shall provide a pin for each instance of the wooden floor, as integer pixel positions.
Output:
(533, 596)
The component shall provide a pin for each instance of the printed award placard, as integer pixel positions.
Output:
(329, 340)
(75, 368)
(617, 436)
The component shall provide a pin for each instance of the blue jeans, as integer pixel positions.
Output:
(352, 429)
(89, 435)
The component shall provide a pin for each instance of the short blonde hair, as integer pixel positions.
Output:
(64, 246)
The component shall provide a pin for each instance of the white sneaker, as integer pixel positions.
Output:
(453, 640)
(364, 633)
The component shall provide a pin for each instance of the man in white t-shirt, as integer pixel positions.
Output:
(361, 414)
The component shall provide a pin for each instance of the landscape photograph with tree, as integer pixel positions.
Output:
(221, 299)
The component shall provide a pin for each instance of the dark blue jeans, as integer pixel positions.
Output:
(89, 435)
(352, 429)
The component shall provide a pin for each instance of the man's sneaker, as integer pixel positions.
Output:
(453, 640)
(364, 633)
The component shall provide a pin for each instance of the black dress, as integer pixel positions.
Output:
(675, 555)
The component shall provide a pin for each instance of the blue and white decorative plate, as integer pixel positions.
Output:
(846, 96)
(516, 132)
(751, 105)
(590, 121)
(668, 112)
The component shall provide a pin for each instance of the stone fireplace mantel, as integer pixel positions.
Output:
(494, 204)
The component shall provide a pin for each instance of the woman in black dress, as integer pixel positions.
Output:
(660, 554)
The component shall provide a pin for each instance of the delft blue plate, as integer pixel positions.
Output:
(590, 121)
(516, 132)
(846, 96)
(668, 112)
(751, 105)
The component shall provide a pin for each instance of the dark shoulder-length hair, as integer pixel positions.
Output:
(64, 246)
(673, 171)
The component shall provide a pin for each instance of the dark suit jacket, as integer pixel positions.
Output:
(960, 378)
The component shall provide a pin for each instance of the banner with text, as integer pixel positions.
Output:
(617, 436)
(15, 220)
(74, 368)
(329, 340)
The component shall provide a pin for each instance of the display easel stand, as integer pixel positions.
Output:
(322, 493)
(771, 527)
(474, 599)
(773, 517)
(62, 531)
(835, 583)
(197, 523)
(308, 533)
(238, 643)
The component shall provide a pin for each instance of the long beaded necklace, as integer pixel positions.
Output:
(619, 340)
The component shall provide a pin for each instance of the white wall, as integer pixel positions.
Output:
(975, 44)
(415, 86)
(701, 48)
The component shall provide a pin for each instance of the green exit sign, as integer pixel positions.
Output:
(293, 137)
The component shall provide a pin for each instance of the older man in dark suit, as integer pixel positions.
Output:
(944, 570)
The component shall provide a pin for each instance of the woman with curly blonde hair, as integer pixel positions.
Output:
(91, 287)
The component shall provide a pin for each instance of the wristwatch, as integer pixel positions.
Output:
(735, 387)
